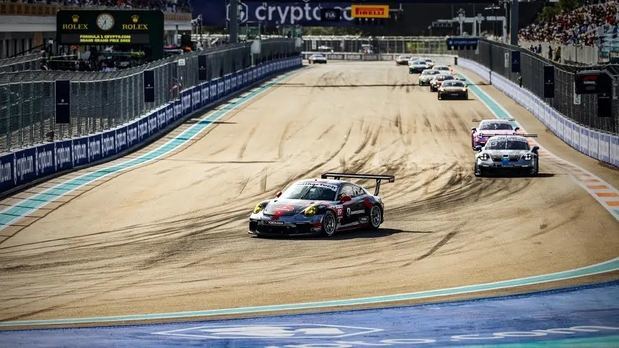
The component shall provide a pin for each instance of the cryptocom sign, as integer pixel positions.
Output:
(216, 12)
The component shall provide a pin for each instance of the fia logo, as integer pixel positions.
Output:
(243, 12)
(270, 331)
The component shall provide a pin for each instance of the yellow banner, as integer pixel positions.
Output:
(369, 11)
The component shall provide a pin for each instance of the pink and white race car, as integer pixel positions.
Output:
(489, 128)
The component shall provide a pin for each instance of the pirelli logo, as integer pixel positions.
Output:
(369, 11)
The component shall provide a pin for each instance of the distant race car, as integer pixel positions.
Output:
(426, 76)
(436, 82)
(507, 153)
(417, 66)
(443, 69)
(429, 62)
(489, 128)
(453, 89)
(402, 59)
(320, 206)
(317, 58)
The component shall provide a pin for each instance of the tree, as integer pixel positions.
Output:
(548, 13)
(569, 5)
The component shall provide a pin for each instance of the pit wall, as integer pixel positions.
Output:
(599, 145)
(38, 163)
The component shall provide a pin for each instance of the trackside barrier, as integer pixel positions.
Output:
(36, 163)
(593, 143)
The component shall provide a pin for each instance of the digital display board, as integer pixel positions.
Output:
(593, 82)
(111, 27)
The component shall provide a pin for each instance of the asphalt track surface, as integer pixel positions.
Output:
(575, 317)
(170, 235)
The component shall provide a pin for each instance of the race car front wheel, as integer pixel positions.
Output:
(478, 170)
(329, 223)
(535, 169)
(376, 217)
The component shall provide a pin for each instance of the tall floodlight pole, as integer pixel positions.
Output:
(514, 23)
(233, 26)
(461, 19)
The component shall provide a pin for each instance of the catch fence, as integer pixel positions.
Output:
(104, 100)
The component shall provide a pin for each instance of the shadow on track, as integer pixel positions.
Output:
(350, 234)
(392, 85)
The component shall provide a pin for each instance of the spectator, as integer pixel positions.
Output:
(550, 52)
(576, 27)
(163, 5)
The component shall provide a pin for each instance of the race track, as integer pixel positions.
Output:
(171, 235)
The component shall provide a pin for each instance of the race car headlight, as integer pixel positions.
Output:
(528, 156)
(310, 211)
(484, 157)
(259, 207)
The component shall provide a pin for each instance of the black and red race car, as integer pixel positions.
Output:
(320, 206)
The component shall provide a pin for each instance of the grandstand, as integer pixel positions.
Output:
(585, 35)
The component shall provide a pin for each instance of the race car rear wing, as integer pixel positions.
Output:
(378, 178)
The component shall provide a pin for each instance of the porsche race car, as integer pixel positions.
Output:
(437, 81)
(509, 153)
(489, 128)
(320, 206)
(426, 76)
(417, 66)
(317, 58)
(453, 89)
(403, 59)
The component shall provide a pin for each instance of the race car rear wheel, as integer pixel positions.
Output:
(329, 224)
(376, 217)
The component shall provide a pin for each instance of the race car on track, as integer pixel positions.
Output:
(402, 59)
(320, 206)
(429, 62)
(507, 153)
(417, 66)
(453, 89)
(437, 81)
(443, 69)
(489, 128)
(317, 58)
(426, 76)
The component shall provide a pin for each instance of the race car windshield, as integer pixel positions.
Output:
(429, 72)
(310, 191)
(504, 144)
(496, 126)
(453, 84)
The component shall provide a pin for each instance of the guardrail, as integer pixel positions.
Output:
(19, 63)
(581, 109)
(353, 56)
(378, 44)
(36, 163)
(599, 145)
